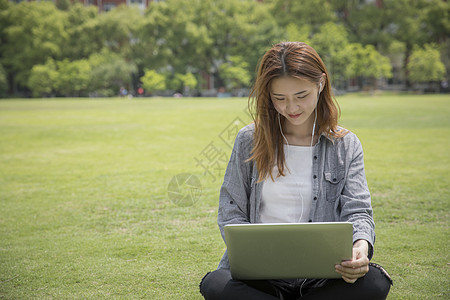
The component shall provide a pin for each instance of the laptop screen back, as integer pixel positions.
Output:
(287, 250)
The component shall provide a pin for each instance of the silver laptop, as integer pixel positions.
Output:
(287, 250)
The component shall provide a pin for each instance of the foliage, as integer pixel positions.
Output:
(409, 22)
(110, 72)
(83, 28)
(36, 33)
(198, 36)
(366, 61)
(437, 19)
(118, 30)
(298, 33)
(222, 39)
(312, 13)
(183, 82)
(425, 65)
(43, 78)
(238, 33)
(3, 81)
(348, 60)
(189, 80)
(172, 39)
(235, 73)
(63, 4)
(331, 42)
(73, 77)
(366, 24)
(153, 81)
(5, 22)
(102, 74)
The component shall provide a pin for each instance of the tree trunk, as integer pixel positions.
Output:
(408, 50)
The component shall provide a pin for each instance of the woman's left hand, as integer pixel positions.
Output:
(356, 268)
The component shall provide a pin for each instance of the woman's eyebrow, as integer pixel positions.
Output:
(299, 93)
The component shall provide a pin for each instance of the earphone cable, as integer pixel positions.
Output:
(310, 146)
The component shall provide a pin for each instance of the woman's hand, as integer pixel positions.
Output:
(356, 268)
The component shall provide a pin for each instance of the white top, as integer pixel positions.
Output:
(288, 199)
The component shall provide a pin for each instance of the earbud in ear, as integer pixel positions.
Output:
(320, 87)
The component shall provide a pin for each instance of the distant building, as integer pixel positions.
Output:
(106, 5)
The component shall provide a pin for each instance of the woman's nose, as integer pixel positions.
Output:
(291, 105)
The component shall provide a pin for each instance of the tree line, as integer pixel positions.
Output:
(68, 49)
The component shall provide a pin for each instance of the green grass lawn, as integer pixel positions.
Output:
(85, 211)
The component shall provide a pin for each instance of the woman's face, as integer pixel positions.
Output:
(295, 99)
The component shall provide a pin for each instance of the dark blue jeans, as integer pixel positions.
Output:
(218, 285)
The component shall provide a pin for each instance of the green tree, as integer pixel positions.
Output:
(3, 82)
(73, 77)
(365, 61)
(425, 65)
(110, 72)
(235, 72)
(198, 36)
(330, 42)
(152, 81)
(312, 13)
(236, 32)
(258, 32)
(366, 23)
(119, 28)
(189, 81)
(4, 23)
(184, 83)
(396, 53)
(172, 38)
(298, 33)
(84, 35)
(406, 19)
(36, 33)
(42, 80)
(437, 22)
(4, 4)
(63, 4)
(406, 22)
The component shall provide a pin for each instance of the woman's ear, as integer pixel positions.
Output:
(322, 82)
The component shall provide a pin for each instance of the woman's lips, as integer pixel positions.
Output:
(294, 116)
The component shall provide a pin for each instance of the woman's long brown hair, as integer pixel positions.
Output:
(301, 61)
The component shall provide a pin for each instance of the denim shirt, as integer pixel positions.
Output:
(340, 192)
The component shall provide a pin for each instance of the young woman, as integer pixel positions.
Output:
(295, 164)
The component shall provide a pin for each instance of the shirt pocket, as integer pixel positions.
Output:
(334, 184)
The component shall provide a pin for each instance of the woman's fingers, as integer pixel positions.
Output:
(351, 270)
(351, 274)
(355, 264)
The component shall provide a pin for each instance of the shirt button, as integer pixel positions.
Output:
(315, 198)
(315, 156)
(315, 176)
(310, 221)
